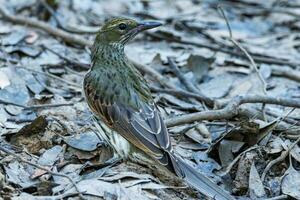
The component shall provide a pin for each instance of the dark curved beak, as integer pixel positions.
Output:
(148, 25)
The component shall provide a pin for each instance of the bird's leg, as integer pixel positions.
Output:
(157, 169)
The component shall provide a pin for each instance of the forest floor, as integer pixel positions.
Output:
(225, 74)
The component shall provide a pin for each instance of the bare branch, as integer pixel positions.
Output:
(183, 93)
(283, 155)
(230, 109)
(289, 102)
(190, 87)
(258, 58)
(68, 60)
(67, 37)
(237, 44)
(286, 72)
(228, 112)
(33, 107)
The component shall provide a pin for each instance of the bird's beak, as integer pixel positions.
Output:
(147, 25)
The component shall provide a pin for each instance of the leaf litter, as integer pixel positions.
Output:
(233, 152)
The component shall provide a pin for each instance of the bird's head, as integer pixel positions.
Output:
(122, 30)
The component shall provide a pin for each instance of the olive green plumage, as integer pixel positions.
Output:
(119, 95)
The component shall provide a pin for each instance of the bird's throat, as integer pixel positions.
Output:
(108, 54)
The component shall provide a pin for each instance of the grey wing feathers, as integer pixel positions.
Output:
(146, 130)
(146, 127)
(143, 127)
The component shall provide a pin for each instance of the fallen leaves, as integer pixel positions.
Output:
(290, 183)
(256, 186)
(63, 139)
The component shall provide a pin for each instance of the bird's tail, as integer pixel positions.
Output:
(199, 181)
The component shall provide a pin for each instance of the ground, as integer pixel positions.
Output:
(225, 75)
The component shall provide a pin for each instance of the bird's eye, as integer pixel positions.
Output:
(122, 26)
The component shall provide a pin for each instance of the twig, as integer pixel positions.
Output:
(33, 107)
(54, 77)
(283, 155)
(237, 158)
(259, 59)
(42, 168)
(12, 103)
(288, 120)
(68, 60)
(189, 86)
(289, 102)
(48, 106)
(183, 93)
(64, 27)
(228, 112)
(283, 196)
(154, 74)
(230, 109)
(249, 112)
(67, 37)
(249, 57)
(286, 72)
(52, 197)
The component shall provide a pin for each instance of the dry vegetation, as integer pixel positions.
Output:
(224, 73)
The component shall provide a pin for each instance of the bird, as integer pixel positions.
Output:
(118, 94)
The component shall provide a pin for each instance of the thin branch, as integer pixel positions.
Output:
(76, 85)
(280, 197)
(154, 74)
(288, 120)
(289, 102)
(189, 86)
(68, 60)
(44, 106)
(258, 58)
(230, 109)
(63, 26)
(183, 93)
(12, 103)
(283, 155)
(286, 72)
(67, 37)
(228, 112)
(249, 112)
(249, 57)
(42, 168)
(237, 158)
(34, 107)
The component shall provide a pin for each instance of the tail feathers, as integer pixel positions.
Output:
(199, 181)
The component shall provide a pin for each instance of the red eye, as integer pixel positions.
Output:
(122, 26)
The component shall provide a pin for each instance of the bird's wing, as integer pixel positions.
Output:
(146, 130)
(142, 127)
